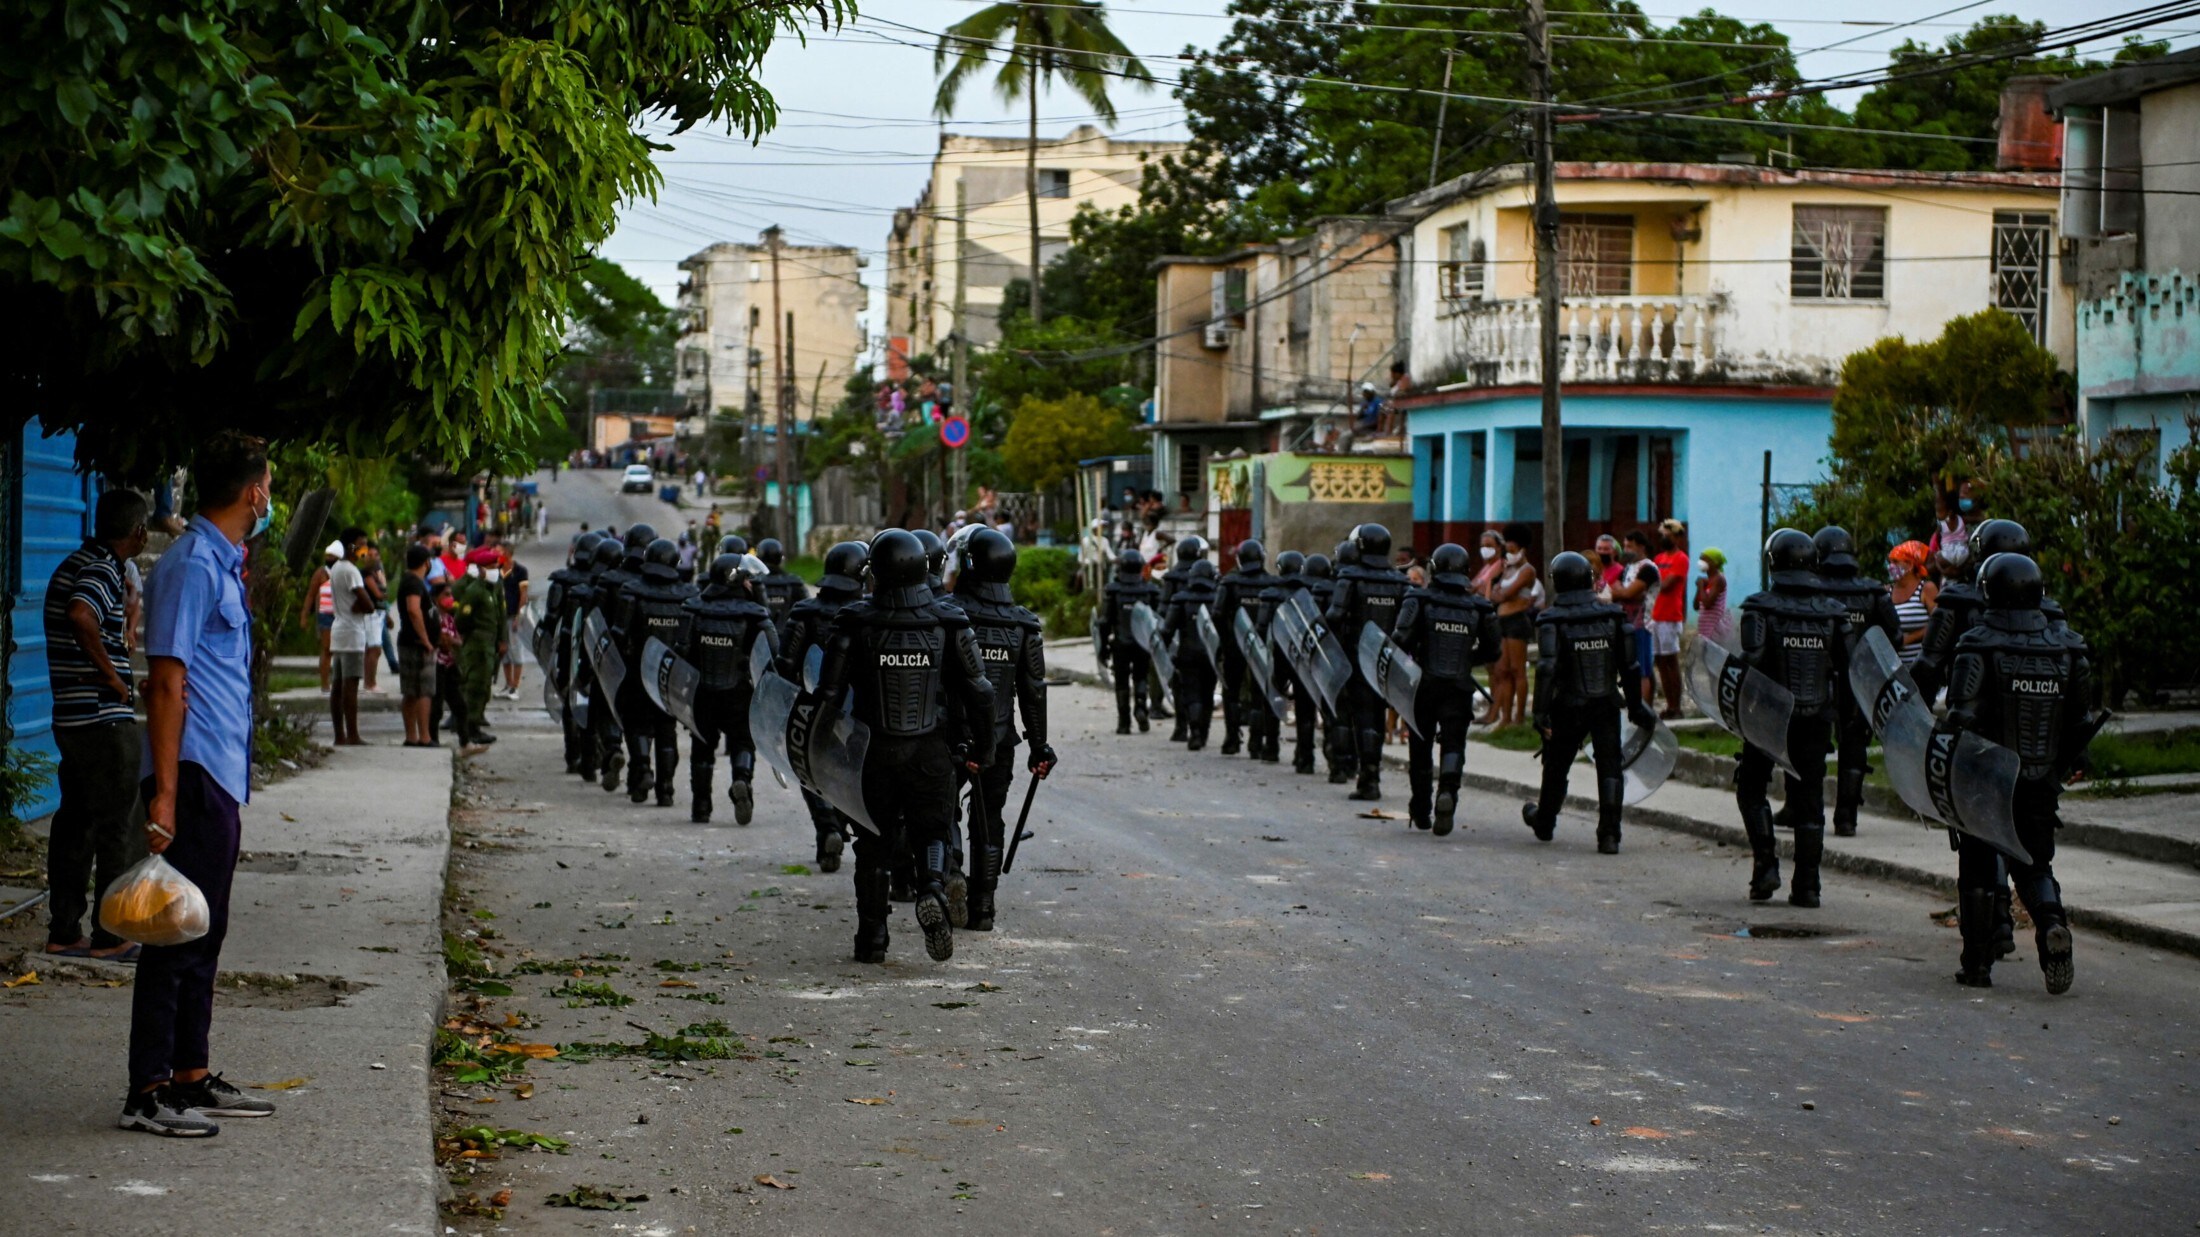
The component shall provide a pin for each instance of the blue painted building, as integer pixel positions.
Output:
(48, 513)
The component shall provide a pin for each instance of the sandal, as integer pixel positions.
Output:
(125, 955)
(81, 950)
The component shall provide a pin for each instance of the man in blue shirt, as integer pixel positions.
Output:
(198, 766)
(88, 662)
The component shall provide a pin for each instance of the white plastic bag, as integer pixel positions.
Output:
(154, 904)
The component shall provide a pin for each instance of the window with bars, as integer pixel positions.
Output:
(1053, 182)
(1596, 255)
(2021, 239)
(1190, 479)
(1839, 253)
(1461, 274)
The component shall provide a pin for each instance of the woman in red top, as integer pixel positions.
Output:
(1669, 612)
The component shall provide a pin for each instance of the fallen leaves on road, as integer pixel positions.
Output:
(1645, 1131)
(773, 1182)
(27, 977)
(287, 1084)
(535, 1052)
(678, 983)
(1376, 813)
(524, 1091)
(872, 1100)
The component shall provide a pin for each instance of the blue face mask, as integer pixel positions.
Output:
(1963, 504)
(261, 520)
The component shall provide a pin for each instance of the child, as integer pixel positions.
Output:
(1713, 623)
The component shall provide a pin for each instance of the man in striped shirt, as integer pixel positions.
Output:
(94, 725)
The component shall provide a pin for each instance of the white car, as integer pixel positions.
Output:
(638, 480)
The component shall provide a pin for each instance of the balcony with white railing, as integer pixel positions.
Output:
(1628, 339)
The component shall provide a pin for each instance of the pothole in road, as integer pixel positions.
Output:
(1788, 931)
(260, 990)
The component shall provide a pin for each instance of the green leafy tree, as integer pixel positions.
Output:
(357, 224)
(1044, 362)
(1048, 436)
(1042, 42)
(622, 337)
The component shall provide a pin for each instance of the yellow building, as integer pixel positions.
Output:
(975, 204)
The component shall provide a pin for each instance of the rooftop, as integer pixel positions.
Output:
(1510, 174)
(2127, 83)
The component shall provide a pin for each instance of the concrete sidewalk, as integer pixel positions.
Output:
(332, 974)
(2145, 900)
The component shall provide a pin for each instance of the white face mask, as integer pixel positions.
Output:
(1489, 552)
(1703, 564)
(493, 574)
(1515, 556)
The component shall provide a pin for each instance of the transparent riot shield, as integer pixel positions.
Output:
(604, 658)
(670, 682)
(1145, 628)
(577, 690)
(1204, 623)
(1747, 703)
(1647, 757)
(1260, 660)
(827, 749)
(1164, 658)
(1959, 779)
(553, 674)
(770, 705)
(1313, 653)
(1393, 673)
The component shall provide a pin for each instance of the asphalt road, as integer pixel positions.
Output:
(1219, 996)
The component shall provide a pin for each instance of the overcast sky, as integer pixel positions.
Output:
(857, 130)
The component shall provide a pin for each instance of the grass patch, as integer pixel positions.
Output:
(579, 993)
(293, 680)
(2115, 756)
(1512, 738)
(1710, 741)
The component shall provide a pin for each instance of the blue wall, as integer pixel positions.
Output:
(1719, 443)
(48, 518)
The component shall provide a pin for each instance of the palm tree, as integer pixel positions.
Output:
(1043, 42)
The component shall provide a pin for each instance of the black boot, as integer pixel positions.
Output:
(1370, 788)
(1139, 715)
(1534, 819)
(830, 843)
(613, 762)
(1848, 796)
(958, 893)
(1230, 740)
(702, 766)
(1123, 724)
(1764, 852)
(1447, 790)
(1975, 919)
(872, 913)
(667, 765)
(931, 907)
(1609, 792)
(2050, 932)
(2005, 922)
(984, 879)
(743, 794)
(1810, 847)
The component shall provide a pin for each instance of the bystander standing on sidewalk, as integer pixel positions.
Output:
(88, 661)
(347, 640)
(319, 607)
(416, 641)
(378, 623)
(516, 596)
(198, 637)
(1669, 612)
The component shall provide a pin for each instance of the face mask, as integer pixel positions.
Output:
(1703, 565)
(1896, 571)
(261, 519)
(1956, 554)
(1604, 554)
(1514, 557)
(1489, 552)
(492, 575)
(1964, 504)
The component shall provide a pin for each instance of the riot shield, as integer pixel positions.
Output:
(770, 705)
(1393, 674)
(541, 644)
(1747, 703)
(1261, 661)
(1209, 638)
(577, 691)
(545, 649)
(801, 745)
(1164, 659)
(604, 658)
(1313, 653)
(1145, 628)
(1647, 757)
(1957, 778)
(670, 682)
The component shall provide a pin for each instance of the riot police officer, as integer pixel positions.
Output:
(809, 625)
(1128, 664)
(1367, 592)
(780, 588)
(656, 608)
(1958, 604)
(1321, 585)
(1290, 581)
(1240, 589)
(723, 624)
(935, 558)
(902, 655)
(1867, 604)
(2025, 682)
(1191, 549)
(1195, 671)
(614, 589)
(1792, 633)
(603, 742)
(561, 602)
(1013, 646)
(1585, 670)
(1449, 630)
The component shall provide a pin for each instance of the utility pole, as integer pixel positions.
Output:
(793, 488)
(1443, 103)
(1546, 283)
(961, 372)
(783, 471)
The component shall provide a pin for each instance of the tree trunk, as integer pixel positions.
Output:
(1031, 179)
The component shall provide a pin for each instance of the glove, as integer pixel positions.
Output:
(1041, 762)
(977, 757)
(1643, 718)
(1960, 719)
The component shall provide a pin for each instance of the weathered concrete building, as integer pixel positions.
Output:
(726, 362)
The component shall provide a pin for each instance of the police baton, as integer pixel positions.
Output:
(1016, 839)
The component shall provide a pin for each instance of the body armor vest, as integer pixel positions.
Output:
(723, 629)
(1860, 598)
(1593, 643)
(612, 588)
(1375, 598)
(1184, 607)
(658, 609)
(1451, 626)
(1319, 592)
(1120, 597)
(1241, 589)
(1172, 580)
(1273, 598)
(907, 651)
(1000, 650)
(1803, 644)
(781, 590)
(2026, 694)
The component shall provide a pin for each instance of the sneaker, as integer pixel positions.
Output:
(214, 1096)
(156, 1112)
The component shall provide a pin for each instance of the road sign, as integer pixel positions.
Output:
(955, 433)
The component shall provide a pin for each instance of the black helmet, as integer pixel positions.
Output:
(584, 548)
(1129, 564)
(1450, 559)
(2011, 581)
(1191, 550)
(1835, 548)
(662, 553)
(1251, 553)
(1999, 537)
(1203, 570)
(771, 552)
(1791, 549)
(725, 571)
(1570, 573)
(897, 559)
(1290, 563)
(608, 554)
(935, 551)
(1373, 541)
(1317, 567)
(1347, 553)
(844, 565)
(987, 556)
(638, 537)
(734, 544)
